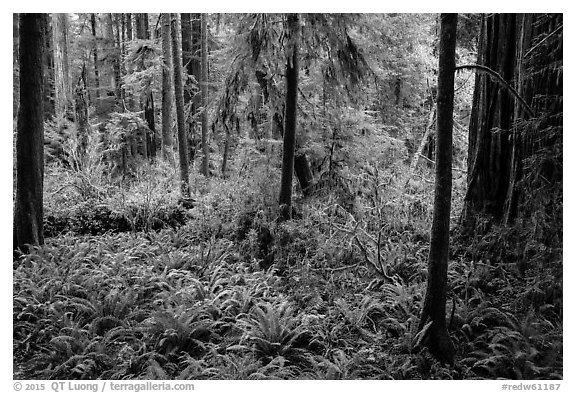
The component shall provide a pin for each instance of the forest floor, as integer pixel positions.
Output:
(132, 285)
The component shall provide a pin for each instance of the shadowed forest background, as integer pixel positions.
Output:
(264, 196)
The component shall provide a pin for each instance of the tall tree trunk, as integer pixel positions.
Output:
(512, 45)
(147, 99)
(129, 35)
(191, 58)
(63, 99)
(116, 76)
(436, 337)
(81, 111)
(166, 88)
(28, 209)
(95, 55)
(285, 199)
(15, 66)
(204, 90)
(49, 86)
(226, 154)
(301, 163)
(179, 99)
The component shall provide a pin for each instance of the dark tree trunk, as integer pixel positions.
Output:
(226, 151)
(179, 99)
(111, 38)
(301, 163)
(142, 31)
(15, 69)
(204, 92)
(81, 110)
(95, 55)
(303, 173)
(191, 58)
(437, 338)
(28, 209)
(49, 87)
(166, 88)
(511, 45)
(285, 199)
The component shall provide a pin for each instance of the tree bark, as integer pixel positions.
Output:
(285, 199)
(95, 56)
(81, 110)
(434, 311)
(301, 163)
(204, 92)
(191, 58)
(28, 210)
(147, 99)
(49, 86)
(498, 151)
(166, 88)
(63, 89)
(179, 99)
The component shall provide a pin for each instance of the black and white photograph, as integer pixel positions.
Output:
(286, 196)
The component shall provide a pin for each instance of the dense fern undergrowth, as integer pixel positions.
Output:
(131, 284)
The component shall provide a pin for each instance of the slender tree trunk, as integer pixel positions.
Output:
(226, 154)
(147, 99)
(15, 65)
(111, 39)
(166, 88)
(179, 99)
(81, 110)
(285, 199)
(49, 86)
(191, 58)
(301, 163)
(204, 90)
(28, 210)
(434, 311)
(95, 56)
(63, 99)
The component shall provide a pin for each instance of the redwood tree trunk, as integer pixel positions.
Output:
(81, 111)
(28, 210)
(434, 311)
(285, 199)
(95, 55)
(147, 99)
(63, 88)
(191, 58)
(166, 88)
(204, 91)
(179, 99)
(526, 51)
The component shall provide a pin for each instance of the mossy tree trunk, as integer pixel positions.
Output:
(166, 87)
(179, 100)
(204, 94)
(63, 87)
(28, 209)
(434, 312)
(95, 56)
(293, 33)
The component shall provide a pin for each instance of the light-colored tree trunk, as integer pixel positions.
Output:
(63, 88)
(179, 100)
(204, 91)
(166, 88)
